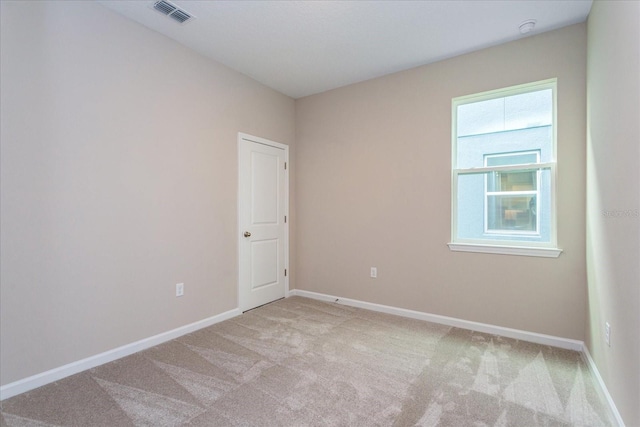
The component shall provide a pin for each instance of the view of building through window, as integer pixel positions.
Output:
(504, 166)
(512, 197)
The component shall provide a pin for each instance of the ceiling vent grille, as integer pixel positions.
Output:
(164, 7)
(172, 11)
(180, 16)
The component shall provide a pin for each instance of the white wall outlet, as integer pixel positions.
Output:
(374, 272)
(179, 289)
(607, 333)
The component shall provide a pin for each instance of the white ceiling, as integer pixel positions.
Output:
(304, 47)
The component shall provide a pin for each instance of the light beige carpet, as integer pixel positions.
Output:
(301, 362)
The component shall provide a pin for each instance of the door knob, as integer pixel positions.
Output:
(247, 234)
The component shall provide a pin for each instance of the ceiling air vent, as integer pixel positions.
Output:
(172, 11)
(164, 7)
(180, 16)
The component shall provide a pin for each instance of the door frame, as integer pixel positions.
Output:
(242, 137)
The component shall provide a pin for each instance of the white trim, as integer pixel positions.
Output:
(565, 343)
(506, 250)
(602, 387)
(526, 167)
(47, 377)
(263, 141)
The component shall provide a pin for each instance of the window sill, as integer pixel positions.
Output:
(506, 250)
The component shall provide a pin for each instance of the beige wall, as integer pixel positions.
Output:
(613, 199)
(374, 168)
(119, 180)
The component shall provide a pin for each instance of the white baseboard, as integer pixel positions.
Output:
(603, 388)
(38, 380)
(553, 341)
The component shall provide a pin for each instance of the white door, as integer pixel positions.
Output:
(263, 231)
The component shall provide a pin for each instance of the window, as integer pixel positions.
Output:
(503, 163)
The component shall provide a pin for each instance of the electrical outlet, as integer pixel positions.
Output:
(607, 333)
(179, 289)
(374, 272)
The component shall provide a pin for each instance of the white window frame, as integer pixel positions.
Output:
(507, 247)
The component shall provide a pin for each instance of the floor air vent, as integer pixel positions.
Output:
(172, 11)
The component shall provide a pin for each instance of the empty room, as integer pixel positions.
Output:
(320, 213)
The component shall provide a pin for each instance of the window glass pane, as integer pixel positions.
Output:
(515, 123)
(471, 150)
(511, 159)
(528, 110)
(481, 117)
(513, 112)
(512, 181)
(471, 206)
(511, 213)
(507, 217)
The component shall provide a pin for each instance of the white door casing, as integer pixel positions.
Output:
(263, 203)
